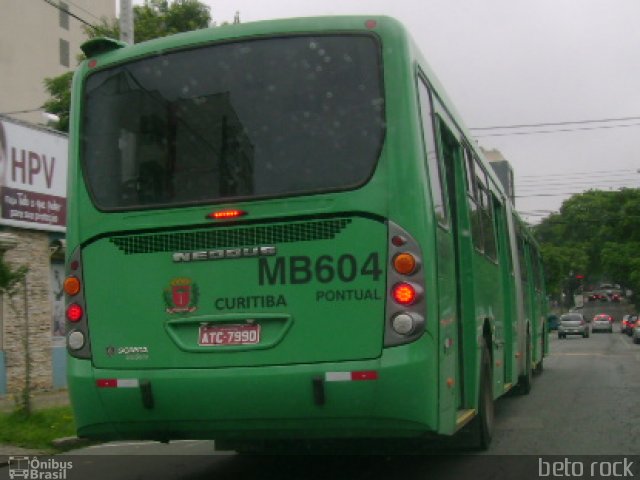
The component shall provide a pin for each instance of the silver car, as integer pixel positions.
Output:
(573, 324)
(635, 333)
(602, 323)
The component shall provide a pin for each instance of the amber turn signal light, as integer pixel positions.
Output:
(404, 263)
(71, 285)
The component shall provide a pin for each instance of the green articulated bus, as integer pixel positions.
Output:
(282, 231)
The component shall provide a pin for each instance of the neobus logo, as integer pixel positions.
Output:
(224, 253)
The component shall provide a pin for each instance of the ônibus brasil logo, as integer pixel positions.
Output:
(181, 296)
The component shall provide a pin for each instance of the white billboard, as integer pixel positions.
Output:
(33, 176)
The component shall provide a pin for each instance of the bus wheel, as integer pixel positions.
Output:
(482, 425)
(525, 381)
(540, 366)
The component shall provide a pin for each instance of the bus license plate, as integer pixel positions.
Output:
(229, 335)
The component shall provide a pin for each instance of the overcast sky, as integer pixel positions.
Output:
(513, 62)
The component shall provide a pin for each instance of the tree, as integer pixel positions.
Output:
(154, 19)
(605, 227)
(60, 102)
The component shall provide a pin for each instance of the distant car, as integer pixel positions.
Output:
(623, 323)
(615, 297)
(594, 297)
(635, 331)
(602, 323)
(573, 324)
(628, 325)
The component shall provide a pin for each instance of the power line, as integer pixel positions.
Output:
(588, 172)
(559, 130)
(80, 19)
(551, 181)
(83, 9)
(599, 179)
(555, 124)
(598, 186)
(560, 194)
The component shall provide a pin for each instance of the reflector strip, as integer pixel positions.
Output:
(350, 376)
(117, 383)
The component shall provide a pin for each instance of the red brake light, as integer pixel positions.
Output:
(398, 240)
(74, 312)
(404, 293)
(224, 214)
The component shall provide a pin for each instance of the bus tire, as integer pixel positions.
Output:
(482, 425)
(525, 380)
(540, 366)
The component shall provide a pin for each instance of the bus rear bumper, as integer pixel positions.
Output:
(392, 396)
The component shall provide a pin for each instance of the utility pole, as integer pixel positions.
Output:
(126, 21)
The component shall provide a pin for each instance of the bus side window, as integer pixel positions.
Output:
(468, 161)
(489, 227)
(434, 169)
(521, 259)
(473, 201)
(537, 271)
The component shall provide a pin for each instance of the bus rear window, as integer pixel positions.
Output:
(262, 118)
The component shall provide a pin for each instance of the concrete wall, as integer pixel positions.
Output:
(33, 251)
(30, 37)
(3, 375)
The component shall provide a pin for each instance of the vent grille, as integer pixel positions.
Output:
(232, 237)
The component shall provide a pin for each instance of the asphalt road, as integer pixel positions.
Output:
(586, 402)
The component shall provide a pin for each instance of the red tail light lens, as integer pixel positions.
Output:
(404, 293)
(74, 312)
(224, 214)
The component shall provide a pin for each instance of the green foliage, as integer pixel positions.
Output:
(60, 102)
(561, 262)
(597, 234)
(154, 19)
(159, 18)
(37, 430)
(10, 279)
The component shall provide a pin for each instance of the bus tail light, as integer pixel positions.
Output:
(403, 324)
(75, 340)
(405, 263)
(71, 285)
(405, 293)
(226, 214)
(74, 312)
(77, 325)
(405, 297)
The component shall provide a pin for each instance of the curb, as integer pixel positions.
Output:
(70, 442)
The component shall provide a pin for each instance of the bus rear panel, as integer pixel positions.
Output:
(229, 225)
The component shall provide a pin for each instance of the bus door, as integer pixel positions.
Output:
(450, 151)
(450, 380)
(505, 261)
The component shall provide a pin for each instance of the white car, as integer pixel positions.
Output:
(602, 323)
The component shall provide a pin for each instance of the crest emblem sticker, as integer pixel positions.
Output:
(181, 296)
